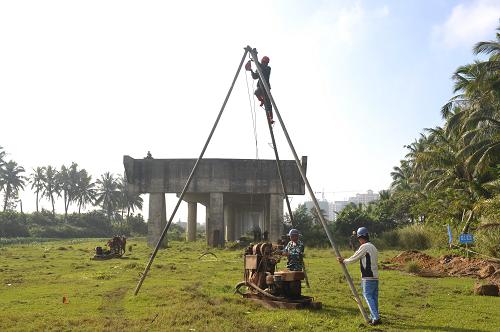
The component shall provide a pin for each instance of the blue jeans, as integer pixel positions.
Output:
(370, 292)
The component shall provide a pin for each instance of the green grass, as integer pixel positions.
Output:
(184, 293)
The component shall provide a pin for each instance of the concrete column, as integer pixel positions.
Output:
(230, 222)
(237, 223)
(191, 226)
(275, 217)
(157, 219)
(266, 217)
(215, 222)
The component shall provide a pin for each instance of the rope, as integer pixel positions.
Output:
(251, 102)
(253, 114)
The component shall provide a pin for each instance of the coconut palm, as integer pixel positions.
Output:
(2, 156)
(108, 194)
(67, 179)
(51, 186)
(85, 190)
(130, 200)
(401, 176)
(11, 180)
(37, 180)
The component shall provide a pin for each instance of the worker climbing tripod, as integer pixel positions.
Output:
(253, 54)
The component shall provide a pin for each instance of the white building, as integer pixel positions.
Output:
(364, 199)
(323, 205)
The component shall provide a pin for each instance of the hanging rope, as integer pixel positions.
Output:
(254, 116)
(251, 102)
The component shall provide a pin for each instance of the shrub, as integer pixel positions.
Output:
(412, 267)
(13, 224)
(488, 239)
(414, 237)
(390, 239)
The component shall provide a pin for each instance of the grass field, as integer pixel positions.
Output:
(184, 293)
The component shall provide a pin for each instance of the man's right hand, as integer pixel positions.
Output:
(340, 259)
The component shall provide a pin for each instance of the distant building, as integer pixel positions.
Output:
(324, 205)
(338, 206)
(364, 199)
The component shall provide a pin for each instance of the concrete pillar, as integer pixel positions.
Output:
(237, 223)
(266, 217)
(275, 217)
(191, 226)
(215, 220)
(230, 222)
(157, 219)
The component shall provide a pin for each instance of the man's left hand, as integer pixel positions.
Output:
(340, 259)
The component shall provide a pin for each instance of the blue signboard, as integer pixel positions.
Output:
(466, 238)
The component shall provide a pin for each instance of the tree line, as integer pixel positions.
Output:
(71, 184)
(451, 172)
(449, 175)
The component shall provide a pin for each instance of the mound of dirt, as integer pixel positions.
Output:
(448, 265)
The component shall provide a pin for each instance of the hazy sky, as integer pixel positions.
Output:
(91, 81)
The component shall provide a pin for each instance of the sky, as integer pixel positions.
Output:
(355, 81)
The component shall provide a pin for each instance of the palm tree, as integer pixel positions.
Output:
(108, 194)
(130, 200)
(51, 186)
(67, 180)
(37, 180)
(85, 190)
(2, 156)
(12, 181)
(401, 177)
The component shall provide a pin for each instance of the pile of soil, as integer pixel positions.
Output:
(447, 265)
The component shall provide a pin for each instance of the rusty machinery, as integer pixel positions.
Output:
(116, 249)
(276, 289)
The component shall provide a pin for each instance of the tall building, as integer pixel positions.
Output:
(364, 199)
(323, 205)
(337, 206)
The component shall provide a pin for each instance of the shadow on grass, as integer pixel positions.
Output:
(417, 327)
(341, 311)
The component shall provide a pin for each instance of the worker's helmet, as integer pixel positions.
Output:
(293, 231)
(362, 231)
(265, 59)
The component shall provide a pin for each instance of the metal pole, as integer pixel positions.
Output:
(311, 192)
(153, 255)
(280, 171)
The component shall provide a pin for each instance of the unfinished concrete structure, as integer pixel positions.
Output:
(239, 194)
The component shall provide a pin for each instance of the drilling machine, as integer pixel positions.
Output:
(274, 289)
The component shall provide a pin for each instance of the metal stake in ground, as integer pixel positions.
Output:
(311, 192)
(188, 181)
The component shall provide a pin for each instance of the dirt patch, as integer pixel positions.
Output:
(447, 265)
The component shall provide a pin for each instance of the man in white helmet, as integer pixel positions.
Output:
(367, 255)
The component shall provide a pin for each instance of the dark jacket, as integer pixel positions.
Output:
(266, 71)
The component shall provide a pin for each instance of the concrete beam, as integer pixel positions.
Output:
(255, 176)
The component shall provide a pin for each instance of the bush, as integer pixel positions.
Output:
(390, 239)
(488, 239)
(414, 237)
(13, 224)
(412, 267)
